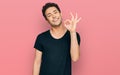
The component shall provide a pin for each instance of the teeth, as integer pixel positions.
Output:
(55, 20)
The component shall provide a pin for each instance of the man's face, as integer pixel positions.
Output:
(53, 16)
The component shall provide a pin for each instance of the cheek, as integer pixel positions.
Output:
(49, 19)
(59, 16)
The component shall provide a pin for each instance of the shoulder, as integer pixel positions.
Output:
(77, 34)
(43, 34)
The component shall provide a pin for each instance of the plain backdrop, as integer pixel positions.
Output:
(21, 21)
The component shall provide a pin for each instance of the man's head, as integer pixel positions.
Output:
(52, 14)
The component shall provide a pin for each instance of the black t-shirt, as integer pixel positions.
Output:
(56, 58)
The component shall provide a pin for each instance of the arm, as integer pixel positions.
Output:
(37, 62)
(74, 50)
(71, 26)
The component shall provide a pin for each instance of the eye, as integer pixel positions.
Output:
(55, 12)
(48, 15)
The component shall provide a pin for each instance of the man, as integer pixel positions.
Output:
(57, 46)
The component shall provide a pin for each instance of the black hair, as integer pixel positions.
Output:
(47, 5)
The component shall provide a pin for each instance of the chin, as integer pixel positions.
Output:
(56, 25)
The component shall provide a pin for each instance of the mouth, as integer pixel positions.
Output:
(55, 20)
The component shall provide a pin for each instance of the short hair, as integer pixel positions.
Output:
(47, 5)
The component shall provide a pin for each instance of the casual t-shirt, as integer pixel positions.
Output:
(56, 59)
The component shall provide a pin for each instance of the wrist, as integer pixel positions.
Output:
(72, 32)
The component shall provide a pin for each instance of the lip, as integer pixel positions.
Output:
(55, 20)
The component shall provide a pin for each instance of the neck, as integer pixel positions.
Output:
(59, 29)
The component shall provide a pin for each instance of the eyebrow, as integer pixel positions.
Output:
(53, 11)
(48, 13)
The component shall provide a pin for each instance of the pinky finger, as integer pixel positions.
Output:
(79, 19)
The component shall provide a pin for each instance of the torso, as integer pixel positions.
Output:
(56, 54)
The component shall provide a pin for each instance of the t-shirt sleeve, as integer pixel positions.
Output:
(38, 44)
(78, 38)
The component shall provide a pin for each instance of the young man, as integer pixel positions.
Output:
(56, 47)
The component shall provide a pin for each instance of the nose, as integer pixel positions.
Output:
(53, 16)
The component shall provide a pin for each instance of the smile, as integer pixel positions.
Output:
(55, 20)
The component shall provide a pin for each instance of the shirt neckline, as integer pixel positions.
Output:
(57, 38)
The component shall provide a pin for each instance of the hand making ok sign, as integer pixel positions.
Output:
(71, 24)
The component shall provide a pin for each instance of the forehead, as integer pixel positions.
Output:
(50, 10)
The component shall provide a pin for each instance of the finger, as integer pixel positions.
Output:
(72, 16)
(67, 22)
(79, 19)
(76, 17)
(67, 26)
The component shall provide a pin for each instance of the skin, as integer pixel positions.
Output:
(57, 30)
(53, 17)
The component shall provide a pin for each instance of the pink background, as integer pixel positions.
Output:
(21, 21)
